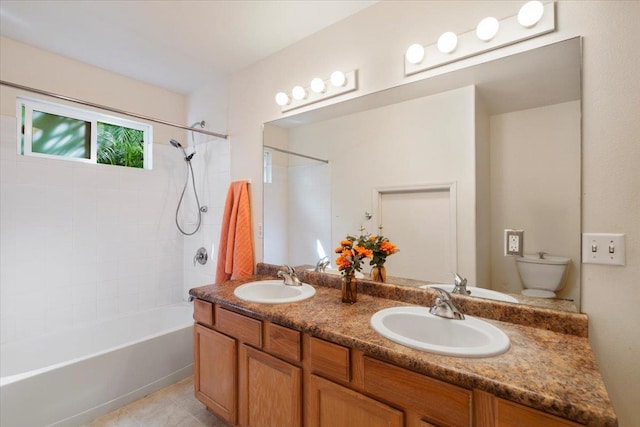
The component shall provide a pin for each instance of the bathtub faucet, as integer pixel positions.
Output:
(289, 276)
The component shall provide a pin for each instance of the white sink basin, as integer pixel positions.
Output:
(273, 292)
(337, 272)
(476, 292)
(415, 327)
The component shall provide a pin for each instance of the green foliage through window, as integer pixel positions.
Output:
(119, 145)
(57, 131)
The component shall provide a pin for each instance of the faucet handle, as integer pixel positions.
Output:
(442, 294)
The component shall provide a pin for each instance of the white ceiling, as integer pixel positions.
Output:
(179, 45)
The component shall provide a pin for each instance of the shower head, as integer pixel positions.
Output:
(176, 144)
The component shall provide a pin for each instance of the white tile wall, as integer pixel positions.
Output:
(81, 243)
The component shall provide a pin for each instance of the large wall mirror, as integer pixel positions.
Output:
(444, 165)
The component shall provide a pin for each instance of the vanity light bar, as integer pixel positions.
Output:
(318, 90)
(509, 31)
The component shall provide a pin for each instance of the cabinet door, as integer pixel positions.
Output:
(270, 390)
(331, 405)
(215, 368)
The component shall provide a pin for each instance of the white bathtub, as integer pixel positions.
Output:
(70, 378)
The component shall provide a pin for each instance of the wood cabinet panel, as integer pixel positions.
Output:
(215, 369)
(442, 403)
(270, 390)
(281, 341)
(203, 312)
(331, 405)
(509, 414)
(328, 359)
(244, 328)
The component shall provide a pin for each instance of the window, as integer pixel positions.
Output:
(61, 132)
(268, 167)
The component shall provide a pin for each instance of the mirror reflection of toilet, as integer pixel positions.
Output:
(542, 275)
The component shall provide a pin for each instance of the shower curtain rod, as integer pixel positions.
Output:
(295, 154)
(113, 110)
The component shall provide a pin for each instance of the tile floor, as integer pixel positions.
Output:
(172, 406)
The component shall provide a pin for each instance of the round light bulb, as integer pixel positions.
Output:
(338, 78)
(530, 13)
(447, 42)
(282, 99)
(317, 85)
(298, 93)
(415, 53)
(487, 28)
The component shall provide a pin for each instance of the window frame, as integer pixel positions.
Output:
(25, 147)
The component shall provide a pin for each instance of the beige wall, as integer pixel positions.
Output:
(37, 68)
(374, 41)
(535, 186)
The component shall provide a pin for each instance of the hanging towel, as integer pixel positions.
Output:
(235, 252)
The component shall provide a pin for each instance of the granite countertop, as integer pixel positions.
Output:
(546, 370)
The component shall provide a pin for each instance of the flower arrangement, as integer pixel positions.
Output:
(380, 248)
(351, 253)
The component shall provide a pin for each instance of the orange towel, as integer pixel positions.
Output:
(235, 252)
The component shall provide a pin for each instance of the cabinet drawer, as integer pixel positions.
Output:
(511, 414)
(244, 328)
(203, 312)
(328, 359)
(281, 341)
(444, 403)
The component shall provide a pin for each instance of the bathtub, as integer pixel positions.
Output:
(70, 378)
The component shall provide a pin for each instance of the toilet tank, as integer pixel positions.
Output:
(547, 273)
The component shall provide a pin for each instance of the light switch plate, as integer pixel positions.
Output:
(513, 242)
(603, 248)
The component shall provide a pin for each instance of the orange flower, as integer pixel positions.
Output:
(342, 262)
(345, 242)
(388, 248)
(363, 252)
(338, 250)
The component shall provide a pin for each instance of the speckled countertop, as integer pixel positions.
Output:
(551, 371)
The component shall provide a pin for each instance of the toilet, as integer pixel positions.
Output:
(542, 275)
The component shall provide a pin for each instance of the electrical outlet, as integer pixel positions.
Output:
(603, 248)
(513, 242)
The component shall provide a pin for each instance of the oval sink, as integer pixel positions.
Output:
(273, 292)
(476, 292)
(415, 327)
(337, 272)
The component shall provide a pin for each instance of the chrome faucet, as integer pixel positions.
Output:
(460, 285)
(289, 276)
(322, 264)
(444, 306)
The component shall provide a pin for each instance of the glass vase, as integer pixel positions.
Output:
(349, 288)
(379, 273)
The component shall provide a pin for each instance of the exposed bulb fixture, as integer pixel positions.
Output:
(530, 13)
(298, 93)
(318, 89)
(318, 85)
(487, 28)
(282, 99)
(338, 79)
(415, 53)
(447, 42)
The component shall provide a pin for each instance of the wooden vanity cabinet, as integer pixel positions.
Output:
(236, 379)
(332, 405)
(253, 373)
(215, 372)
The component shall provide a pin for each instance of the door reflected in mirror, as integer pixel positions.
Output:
(444, 165)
